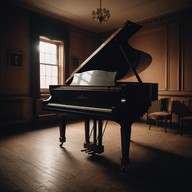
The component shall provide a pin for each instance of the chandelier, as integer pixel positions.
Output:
(101, 14)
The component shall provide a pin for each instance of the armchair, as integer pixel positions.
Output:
(165, 113)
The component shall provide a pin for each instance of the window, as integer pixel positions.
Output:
(51, 63)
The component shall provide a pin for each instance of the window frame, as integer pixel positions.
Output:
(60, 61)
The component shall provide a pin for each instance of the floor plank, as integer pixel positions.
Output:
(32, 161)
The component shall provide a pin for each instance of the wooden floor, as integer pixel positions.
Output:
(33, 161)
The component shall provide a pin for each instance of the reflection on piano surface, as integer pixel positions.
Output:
(94, 92)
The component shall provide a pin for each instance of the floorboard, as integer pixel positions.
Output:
(32, 161)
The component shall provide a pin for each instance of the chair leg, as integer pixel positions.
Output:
(157, 122)
(181, 128)
(161, 123)
(171, 123)
(149, 124)
(165, 125)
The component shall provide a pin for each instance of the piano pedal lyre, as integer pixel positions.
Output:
(86, 150)
(96, 146)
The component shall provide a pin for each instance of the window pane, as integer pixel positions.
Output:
(43, 82)
(48, 53)
(42, 70)
(48, 70)
(48, 82)
(53, 59)
(53, 49)
(42, 57)
(54, 81)
(47, 58)
(54, 71)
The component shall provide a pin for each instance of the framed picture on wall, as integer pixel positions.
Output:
(75, 61)
(15, 59)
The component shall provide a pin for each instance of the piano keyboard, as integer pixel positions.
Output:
(107, 110)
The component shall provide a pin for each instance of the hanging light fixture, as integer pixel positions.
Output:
(101, 14)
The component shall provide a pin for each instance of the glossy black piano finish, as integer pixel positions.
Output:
(107, 102)
(122, 102)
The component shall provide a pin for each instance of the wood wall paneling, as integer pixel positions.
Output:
(16, 79)
(153, 42)
(15, 103)
(174, 57)
(15, 110)
(82, 47)
(1, 59)
(187, 55)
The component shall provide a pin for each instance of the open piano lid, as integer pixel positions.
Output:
(114, 55)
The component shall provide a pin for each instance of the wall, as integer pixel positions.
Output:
(16, 98)
(15, 101)
(167, 39)
(77, 40)
(169, 42)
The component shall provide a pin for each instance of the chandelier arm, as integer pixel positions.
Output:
(101, 14)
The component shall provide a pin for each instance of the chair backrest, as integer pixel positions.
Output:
(190, 105)
(167, 104)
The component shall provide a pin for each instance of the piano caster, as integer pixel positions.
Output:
(61, 145)
(124, 164)
(123, 168)
(62, 140)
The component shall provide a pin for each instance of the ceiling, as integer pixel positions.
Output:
(78, 12)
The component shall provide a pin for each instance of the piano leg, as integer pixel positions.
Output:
(100, 132)
(87, 121)
(125, 143)
(87, 138)
(94, 132)
(62, 128)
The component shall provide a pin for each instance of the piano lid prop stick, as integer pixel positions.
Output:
(134, 71)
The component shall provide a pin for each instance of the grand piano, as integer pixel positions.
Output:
(96, 92)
